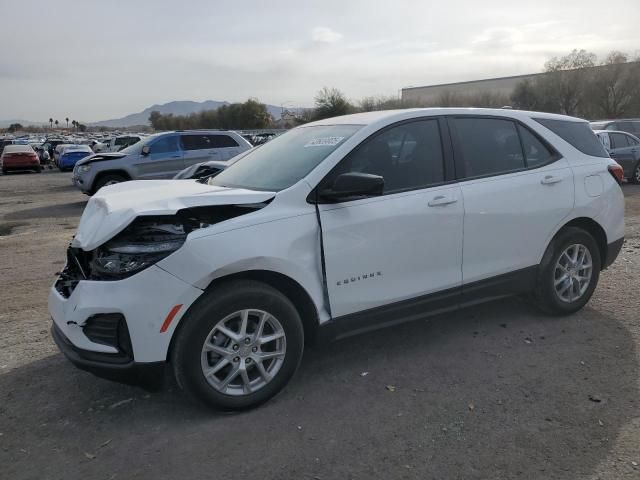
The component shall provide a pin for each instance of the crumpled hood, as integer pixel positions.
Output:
(114, 207)
(101, 157)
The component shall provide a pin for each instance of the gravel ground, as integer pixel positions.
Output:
(497, 391)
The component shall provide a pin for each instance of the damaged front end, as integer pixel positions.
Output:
(144, 242)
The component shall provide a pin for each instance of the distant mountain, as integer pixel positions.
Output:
(184, 107)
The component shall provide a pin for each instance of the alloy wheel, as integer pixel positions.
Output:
(243, 352)
(572, 273)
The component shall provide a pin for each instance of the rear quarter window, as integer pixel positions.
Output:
(578, 134)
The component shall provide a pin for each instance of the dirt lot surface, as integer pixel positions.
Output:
(497, 391)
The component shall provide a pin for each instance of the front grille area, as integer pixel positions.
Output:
(110, 329)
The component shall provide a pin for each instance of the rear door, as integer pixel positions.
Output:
(516, 191)
(623, 152)
(223, 146)
(198, 148)
(395, 249)
(163, 161)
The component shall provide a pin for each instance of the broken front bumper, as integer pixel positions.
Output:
(141, 302)
(149, 375)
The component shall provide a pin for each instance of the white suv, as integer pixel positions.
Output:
(335, 227)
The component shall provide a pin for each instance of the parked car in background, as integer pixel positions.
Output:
(333, 228)
(4, 142)
(71, 154)
(630, 125)
(51, 144)
(161, 155)
(119, 143)
(208, 169)
(19, 157)
(43, 154)
(624, 148)
(96, 145)
(57, 151)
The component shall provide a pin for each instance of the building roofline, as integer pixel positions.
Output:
(527, 75)
(475, 81)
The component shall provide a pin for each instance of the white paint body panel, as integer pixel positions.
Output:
(498, 224)
(409, 248)
(145, 300)
(508, 218)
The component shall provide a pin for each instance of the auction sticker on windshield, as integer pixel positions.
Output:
(324, 142)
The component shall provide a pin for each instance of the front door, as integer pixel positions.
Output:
(163, 161)
(395, 248)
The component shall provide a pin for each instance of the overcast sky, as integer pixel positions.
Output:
(93, 60)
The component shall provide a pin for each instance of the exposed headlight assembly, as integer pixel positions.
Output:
(149, 239)
(143, 243)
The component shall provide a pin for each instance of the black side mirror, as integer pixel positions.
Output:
(146, 150)
(354, 184)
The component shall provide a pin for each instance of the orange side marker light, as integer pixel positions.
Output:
(170, 317)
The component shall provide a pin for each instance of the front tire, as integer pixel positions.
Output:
(569, 272)
(238, 346)
(108, 179)
(635, 176)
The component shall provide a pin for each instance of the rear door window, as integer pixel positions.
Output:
(221, 141)
(487, 146)
(195, 142)
(578, 134)
(618, 140)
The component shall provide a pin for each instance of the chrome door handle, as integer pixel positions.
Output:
(441, 200)
(550, 180)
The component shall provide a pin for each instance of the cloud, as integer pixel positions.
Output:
(325, 35)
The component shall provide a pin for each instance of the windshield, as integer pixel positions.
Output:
(286, 159)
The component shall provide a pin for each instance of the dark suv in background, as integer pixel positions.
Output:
(629, 125)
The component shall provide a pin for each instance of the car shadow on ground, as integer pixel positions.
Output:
(72, 209)
(494, 391)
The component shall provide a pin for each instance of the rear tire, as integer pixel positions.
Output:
(210, 340)
(108, 179)
(571, 257)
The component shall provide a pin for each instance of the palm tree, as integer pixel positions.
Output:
(56, 122)
(67, 119)
(73, 122)
(51, 122)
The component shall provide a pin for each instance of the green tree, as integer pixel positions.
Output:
(67, 119)
(563, 87)
(51, 122)
(614, 87)
(56, 122)
(331, 102)
(15, 127)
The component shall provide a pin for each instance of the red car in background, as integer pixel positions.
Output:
(19, 157)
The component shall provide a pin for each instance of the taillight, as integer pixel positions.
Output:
(616, 172)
